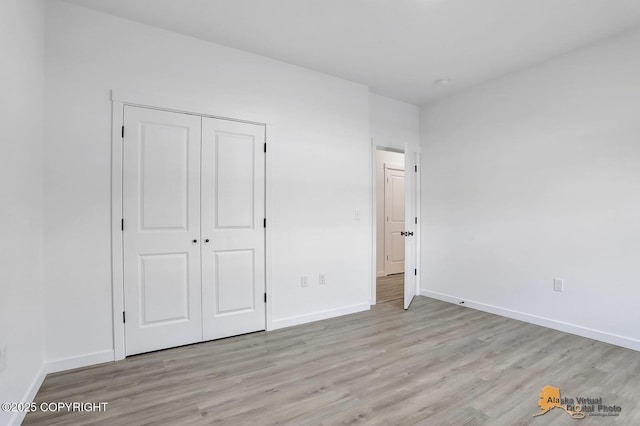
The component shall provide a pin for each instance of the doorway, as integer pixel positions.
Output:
(390, 225)
(395, 239)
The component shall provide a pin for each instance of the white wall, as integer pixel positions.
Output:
(393, 122)
(320, 172)
(382, 157)
(21, 299)
(535, 176)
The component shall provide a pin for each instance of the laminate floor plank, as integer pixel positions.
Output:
(434, 364)
(390, 287)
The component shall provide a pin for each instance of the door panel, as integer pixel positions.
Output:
(397, 196)
(397, 248)
(164, 176)
(410, 265)
(234, 181)
(394, 194)
(233, 267)
(161, 209)
(234, 282)
(164, 288)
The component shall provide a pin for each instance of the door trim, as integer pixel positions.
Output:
(403, 147)
(117, 252)
(117, 249)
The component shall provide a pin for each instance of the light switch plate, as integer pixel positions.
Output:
(558, 284)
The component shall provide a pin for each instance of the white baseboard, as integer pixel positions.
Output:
(317, 316)
(54, 367)
(614, 339)
(85, 360)
(29, 395)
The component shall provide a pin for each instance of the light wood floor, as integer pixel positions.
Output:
(435, 364)
(389, 288)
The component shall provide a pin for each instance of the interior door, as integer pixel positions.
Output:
(161, 229)
(411, 215)
(394, 225)
(233, 255)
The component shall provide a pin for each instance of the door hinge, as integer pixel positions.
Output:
(264, 223)
(416, 168)
(124, 317)
(122, 224)
(265, 147)
(415, 272)
(265, 298)
(416, 220)
(122, 132)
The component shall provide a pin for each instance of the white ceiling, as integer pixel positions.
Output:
(396, 47)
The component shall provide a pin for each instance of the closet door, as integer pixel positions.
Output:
(161, 210)
(233, 264)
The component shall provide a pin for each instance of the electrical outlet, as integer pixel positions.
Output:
(558, 284)
(304, 281)
(321, 280)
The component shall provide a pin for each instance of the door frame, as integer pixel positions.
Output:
(118, 102)
(402, 147)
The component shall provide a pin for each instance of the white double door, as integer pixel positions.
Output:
(193, 234)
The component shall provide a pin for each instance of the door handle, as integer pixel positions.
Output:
(195, 241)
(406, 234)
(206, 241)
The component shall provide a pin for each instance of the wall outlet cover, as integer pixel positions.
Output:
(558, 284)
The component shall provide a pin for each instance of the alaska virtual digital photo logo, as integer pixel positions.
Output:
(577, 408)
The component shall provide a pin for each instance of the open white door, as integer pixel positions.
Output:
(410, 240)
